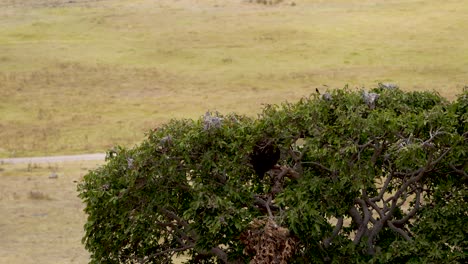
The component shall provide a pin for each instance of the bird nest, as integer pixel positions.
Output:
(268, 242)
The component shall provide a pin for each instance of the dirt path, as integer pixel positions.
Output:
(96, 156)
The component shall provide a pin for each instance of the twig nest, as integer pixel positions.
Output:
(268, 242)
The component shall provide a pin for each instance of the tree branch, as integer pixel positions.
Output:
(336, 230)
(372, 204)
(268, 207)
(412, 212)
(363, 226)
(399, 231)
(333, 174)
(173, 216)
(260, 202)
(461, 172)
(170, 250)
(220, 254)
(353, 212)
(383, 189)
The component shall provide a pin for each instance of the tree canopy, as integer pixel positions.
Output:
(375, 176)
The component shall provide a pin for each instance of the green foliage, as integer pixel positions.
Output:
(375, 176)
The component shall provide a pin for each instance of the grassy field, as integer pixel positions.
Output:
(81, 76)
(42, 218)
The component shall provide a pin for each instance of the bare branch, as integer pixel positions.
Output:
(296, 158)
(190, 234)
(353, 212)
(336, 230)
(399, 231)
(365, 145)
(372, 204)
(220, 254)
(428, 142)
(432, 164)
(268, 207)
(461, 172)
(363, 226)
(383, 189)
(412, 212)
(260, 202)
(173, 216)
(414, 177)
(378, 225)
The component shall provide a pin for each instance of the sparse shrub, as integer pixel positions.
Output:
(350, 181)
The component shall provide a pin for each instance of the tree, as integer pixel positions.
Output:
(354, 176)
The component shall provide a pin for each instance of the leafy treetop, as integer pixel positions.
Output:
(358, 176)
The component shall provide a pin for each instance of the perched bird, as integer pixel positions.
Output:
(317, 91)
(264, 157)
(370, 99)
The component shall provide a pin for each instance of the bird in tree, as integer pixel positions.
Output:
(264, 157)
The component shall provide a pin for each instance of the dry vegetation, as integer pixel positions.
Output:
(42, 217)
(80, 76)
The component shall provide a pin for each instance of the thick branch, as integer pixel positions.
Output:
(353, 212)
(383, 189)
(191, 235)
(278, 180)
(412, 212)
(173, 216)
(363, 226)
(268, 207)
(372, 204)
(461, 172)
(336, 230)
(399, 231)
(220, 254)
(179, 235)
(260, 202)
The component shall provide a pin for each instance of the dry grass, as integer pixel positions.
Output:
(42, 218)
(83, 76)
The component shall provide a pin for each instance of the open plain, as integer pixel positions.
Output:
(81, 76)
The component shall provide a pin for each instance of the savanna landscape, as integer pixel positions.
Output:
(82, 76)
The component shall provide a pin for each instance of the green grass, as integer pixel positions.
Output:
(83, 77)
